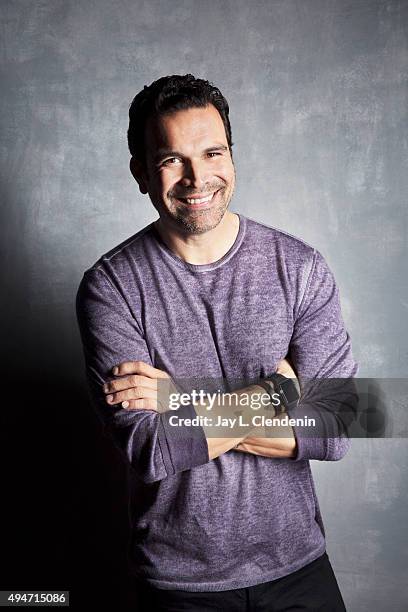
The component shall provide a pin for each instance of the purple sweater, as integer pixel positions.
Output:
(240, 519)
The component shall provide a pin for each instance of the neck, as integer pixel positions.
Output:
(201, 249)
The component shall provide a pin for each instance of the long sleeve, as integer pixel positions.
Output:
(321, 353)
(111, 335)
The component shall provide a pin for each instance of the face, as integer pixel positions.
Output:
(189, 175)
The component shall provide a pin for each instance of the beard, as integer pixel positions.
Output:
(200, 221)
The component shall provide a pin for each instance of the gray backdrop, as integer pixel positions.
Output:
(318, 97)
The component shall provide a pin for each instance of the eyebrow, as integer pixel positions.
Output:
(162, 153)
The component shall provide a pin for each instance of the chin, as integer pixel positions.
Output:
(201, 223)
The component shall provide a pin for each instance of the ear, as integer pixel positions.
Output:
(139, 174)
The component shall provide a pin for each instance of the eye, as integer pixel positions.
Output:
(212, 154)
(171, 161)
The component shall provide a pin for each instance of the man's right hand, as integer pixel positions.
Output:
(136, 386)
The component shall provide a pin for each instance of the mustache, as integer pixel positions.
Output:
(209, 189)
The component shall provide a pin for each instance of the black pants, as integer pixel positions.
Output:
(313, 588)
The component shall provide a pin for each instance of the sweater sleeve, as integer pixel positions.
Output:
(320, 349)
(110, 336)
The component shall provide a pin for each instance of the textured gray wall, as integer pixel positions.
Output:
(318, 96)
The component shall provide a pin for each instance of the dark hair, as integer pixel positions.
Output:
(169, 94)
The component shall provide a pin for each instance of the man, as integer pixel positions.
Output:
(220, 518)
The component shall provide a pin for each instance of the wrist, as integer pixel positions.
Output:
(272, 405)
(285, 392)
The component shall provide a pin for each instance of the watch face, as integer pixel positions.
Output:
(289, 391)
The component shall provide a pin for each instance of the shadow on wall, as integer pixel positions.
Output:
(65, 503)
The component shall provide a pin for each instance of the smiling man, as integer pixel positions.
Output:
(190, 152)
(221, 518)
(187, 170)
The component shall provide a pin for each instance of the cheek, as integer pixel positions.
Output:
(227, 171)
(160, 188)
(168, 181)
(229, 177)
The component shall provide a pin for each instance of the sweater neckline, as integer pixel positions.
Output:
(202, 267)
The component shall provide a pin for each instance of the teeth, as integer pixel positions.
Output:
(199, 200)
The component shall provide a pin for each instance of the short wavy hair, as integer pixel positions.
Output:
(169, 94)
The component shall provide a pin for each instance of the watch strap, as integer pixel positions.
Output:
(287, 390)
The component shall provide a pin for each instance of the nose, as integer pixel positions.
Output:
(193, 175)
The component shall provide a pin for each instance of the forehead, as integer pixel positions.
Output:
(184, 129)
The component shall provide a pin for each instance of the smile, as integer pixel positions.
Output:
(202, 200)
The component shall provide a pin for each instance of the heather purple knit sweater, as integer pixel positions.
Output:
(240, 519)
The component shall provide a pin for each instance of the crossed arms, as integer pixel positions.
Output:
(111, 336)
(136, 388)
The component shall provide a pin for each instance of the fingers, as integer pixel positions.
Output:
(140, 404)
(127, 382)
(285, 369)
(133, 393)
(137, 388)
(138, 367)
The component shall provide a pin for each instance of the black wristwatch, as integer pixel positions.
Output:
(286, 389)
